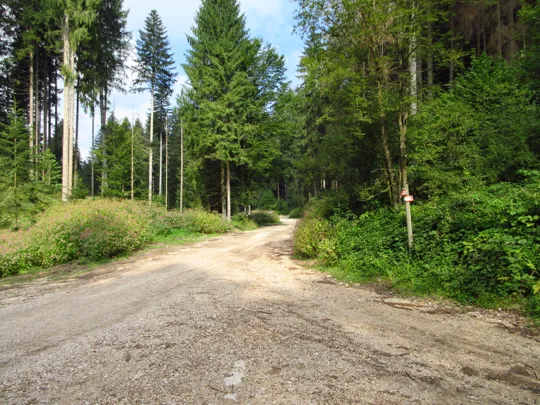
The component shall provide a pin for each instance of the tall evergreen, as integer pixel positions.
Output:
(218, 66)
(155, 73)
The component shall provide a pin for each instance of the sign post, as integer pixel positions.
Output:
(408, 200)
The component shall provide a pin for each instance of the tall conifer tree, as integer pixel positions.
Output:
(218, 66)
(155, 72)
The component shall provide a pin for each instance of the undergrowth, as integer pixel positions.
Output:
(98, 229)
(481, 247)
(265, 217)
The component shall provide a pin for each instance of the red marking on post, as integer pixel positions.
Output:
(409, 199)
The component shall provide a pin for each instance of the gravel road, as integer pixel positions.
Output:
(235, 320)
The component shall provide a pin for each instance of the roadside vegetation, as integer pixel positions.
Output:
(102, 228)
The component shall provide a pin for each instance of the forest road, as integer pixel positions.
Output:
(235, 320)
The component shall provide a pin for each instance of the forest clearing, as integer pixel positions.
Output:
(284, 201)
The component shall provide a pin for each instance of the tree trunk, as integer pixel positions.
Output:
(452, 46)
(56, 105)
(76, 154)
(45, 105)
(71, 119)
(228, 191)
(181, 166)
(65, 135)
(92, 175)
(499, 30)
(160, 163)
(103, 111)
(49, 109)
(151, 151)
(223, 193)
(386, 149)
(37, 111)
(132, 160)
(166, 163)
(31, 105)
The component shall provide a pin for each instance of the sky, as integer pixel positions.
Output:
(271, 20)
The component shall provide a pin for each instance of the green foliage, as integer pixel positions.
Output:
(478, 133)
(296, 213)
(478, 247)
(265, 217)
(97, 229)
(312, 237)
(23, 192)
(243, 222)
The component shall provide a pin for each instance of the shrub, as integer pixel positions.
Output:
(242, 222)
(312, 238)
(478, 247)
(264, 217)
(296, 213)
(96, 229)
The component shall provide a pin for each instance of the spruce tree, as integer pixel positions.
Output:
(155, 73)
(218, 66)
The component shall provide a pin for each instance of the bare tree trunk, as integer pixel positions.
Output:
(278, 184)
(499, 30)
(56, 104)
(228, 191)
(65, 135)
(452, 46)
(45, 105)
(132, 160)
(160, 163)
(103, 111)
(71, 119)
(223, 193)
(386, 149)
(151, 151)
(76, 154)
(37, 111)
(181, 166)
(413, 78)
(92, 175)
(49, 109)
(31, 105)
(166, 163)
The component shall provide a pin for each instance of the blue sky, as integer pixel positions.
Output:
(271, 20)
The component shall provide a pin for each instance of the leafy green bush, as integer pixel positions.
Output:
(242, 222)
(313, 237)
(297, 212)
(96, 229)
(264, 217)
(479, 247)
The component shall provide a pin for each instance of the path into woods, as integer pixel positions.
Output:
(235, 320)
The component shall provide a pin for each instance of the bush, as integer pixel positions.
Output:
(264, 217)
(97, 229)
(296, 213)
(479, 247)
(312, 238)
(242, 222)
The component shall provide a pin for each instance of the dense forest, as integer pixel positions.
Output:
(410, 149)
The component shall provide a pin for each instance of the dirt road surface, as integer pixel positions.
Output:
(236, 320)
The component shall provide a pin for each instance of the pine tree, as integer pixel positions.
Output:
(218, 66)
(155, 73)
